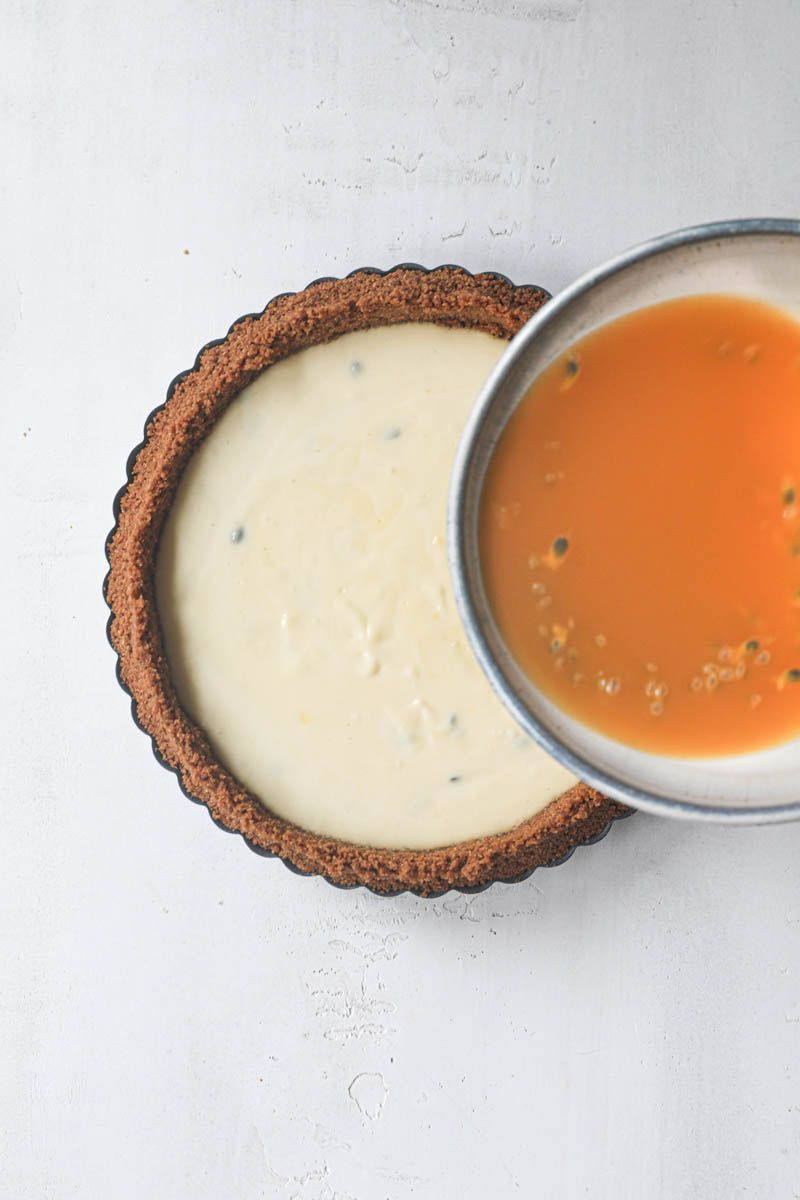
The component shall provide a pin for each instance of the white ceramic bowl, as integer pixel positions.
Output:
(757, 258)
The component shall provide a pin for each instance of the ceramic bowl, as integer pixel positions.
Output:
(757, 258)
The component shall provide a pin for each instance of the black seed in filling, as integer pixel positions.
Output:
(793, 675)
(237, 534)
(572, 367)
(751, 646)
(789, 496)
(455, 779)
(560, 547)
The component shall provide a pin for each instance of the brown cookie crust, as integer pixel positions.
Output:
(323, 311)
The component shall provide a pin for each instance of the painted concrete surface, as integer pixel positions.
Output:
(179, 1019)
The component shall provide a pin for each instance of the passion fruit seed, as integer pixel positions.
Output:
(572, 366)
(560, 547)
(793, 675)
(789, 496)
(751, 646)
(610, 685)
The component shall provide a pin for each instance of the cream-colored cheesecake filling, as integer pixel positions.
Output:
(304, 597)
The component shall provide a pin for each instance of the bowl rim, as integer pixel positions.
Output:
(604, 781)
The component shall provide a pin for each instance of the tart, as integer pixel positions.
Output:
(242, 574)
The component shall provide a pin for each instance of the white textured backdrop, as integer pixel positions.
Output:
(179, 1019)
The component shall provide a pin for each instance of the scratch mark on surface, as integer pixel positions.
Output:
(395, 1176)
(331, 181)
(354, 1032)
(469, 100)
(385, 949)
(50, 555)
(368, 1091)
(508, 9)
(505, 230)
(457, 233)
(326, 1139)
(540, 172)
(461, 907)
(525, 911)
(441, 68)
(723, 145)
(409, 170)
(316, 1175)
(341, 1005)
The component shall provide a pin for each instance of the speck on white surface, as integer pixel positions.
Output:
(179, 1019)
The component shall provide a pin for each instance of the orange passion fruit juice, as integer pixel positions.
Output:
(640, 528)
